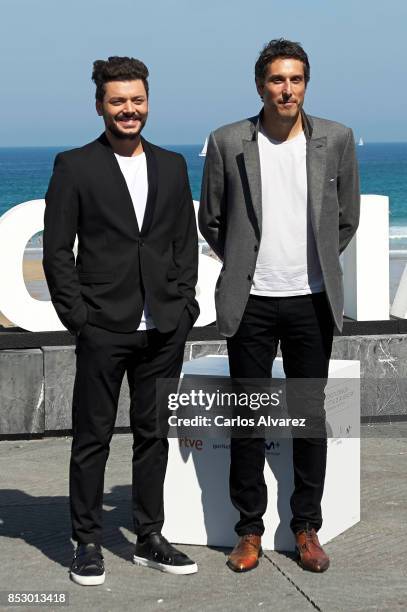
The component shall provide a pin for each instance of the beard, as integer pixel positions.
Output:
(117, 133)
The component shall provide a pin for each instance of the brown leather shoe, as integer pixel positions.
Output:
(312, 555)
(246, 553)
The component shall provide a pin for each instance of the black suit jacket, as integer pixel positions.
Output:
(119, 265)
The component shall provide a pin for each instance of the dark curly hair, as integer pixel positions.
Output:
(279, 47)
(117, 69)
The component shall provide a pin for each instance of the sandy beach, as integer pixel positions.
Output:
(37, 286)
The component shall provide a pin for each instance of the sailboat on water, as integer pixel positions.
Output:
(203, 152)
(360, 143)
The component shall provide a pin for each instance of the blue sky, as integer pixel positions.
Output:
(201, 56)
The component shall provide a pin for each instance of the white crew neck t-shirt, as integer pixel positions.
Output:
(134, 170)
(287, 262)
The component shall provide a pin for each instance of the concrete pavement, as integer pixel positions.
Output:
(368, 562)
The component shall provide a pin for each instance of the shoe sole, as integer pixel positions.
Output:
(241, 571)
(87, 580)
(314, 571)
(179, 570)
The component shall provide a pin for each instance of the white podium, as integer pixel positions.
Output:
(196, 494)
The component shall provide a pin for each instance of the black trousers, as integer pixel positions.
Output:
(103, 357)
(304, 327)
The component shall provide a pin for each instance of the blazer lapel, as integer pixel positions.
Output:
(152, 176)
(252, 165)
(123, 198)
(316, 163)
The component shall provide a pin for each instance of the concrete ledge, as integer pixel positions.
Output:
(36, 385)
(21, 392)
(383, 371)
(59, 376)
(17, 338)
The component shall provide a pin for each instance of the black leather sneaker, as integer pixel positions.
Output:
(156, 552)
(87, 567)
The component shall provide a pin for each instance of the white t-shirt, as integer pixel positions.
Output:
(287, 262)
(134, 170)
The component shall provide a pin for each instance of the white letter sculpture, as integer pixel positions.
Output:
(17, 226)
(366, 263)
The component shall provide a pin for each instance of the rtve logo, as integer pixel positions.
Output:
(190, 443)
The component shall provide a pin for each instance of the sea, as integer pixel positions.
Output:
(25, 173)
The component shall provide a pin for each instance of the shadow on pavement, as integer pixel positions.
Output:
(44, 522)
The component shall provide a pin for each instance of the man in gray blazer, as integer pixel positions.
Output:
(279, 203)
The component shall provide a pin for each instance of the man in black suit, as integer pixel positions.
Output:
(129, 298)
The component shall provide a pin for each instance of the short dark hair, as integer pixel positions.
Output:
(117, 69)
(279, 47)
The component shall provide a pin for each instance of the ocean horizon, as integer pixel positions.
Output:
(25, 173)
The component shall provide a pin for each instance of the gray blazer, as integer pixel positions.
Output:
(230, 213)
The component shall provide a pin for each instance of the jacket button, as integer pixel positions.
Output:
(256, 248)
(249, 277)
